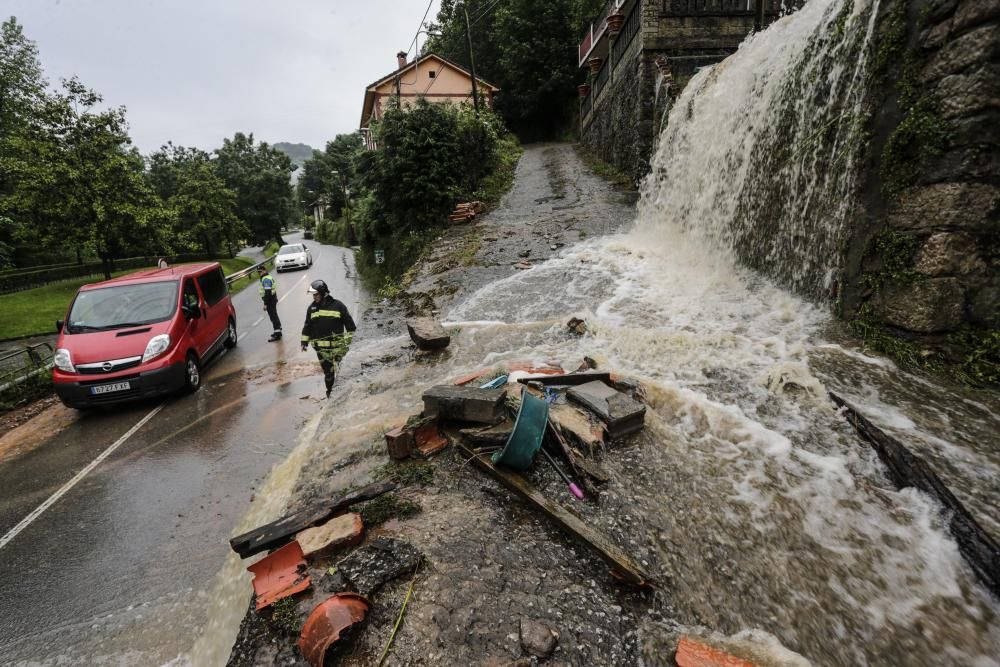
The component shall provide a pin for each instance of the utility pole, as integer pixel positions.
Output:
(472, 62)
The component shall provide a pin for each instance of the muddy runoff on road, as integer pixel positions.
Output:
(754, 505)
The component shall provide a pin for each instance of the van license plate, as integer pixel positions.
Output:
(108, 388)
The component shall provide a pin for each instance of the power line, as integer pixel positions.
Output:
(486, 11)
(419, 27)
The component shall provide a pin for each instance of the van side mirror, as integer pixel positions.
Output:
(191, 312)
(59, 325)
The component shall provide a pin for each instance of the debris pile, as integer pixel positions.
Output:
(302, 568)
(509, 419)
(517, 423)
(466, 211)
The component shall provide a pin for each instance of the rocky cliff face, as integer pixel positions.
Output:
(921, 274)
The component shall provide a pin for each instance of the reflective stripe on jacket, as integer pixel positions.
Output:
(268, 287)
(328, 325)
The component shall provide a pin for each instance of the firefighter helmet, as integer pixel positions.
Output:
(319, 286)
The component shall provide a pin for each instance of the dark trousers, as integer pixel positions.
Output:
(328, 362)
(272, 312)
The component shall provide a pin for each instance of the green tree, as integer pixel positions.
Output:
(22, 89)
(415, 173)
(22, 85)
(328, 173)
(77, 180)
(259, 175)
(528, 49)
(202, 210)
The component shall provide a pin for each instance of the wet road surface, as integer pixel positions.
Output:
(116, 569)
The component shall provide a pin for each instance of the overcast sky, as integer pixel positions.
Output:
(196, 71)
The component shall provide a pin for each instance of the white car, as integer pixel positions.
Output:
(293, 256)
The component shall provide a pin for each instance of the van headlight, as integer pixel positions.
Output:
(63, 361)
(157, 346)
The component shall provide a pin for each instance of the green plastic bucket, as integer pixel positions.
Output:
(526, 438)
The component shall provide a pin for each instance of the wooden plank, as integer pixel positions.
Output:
(568, 522)
(569, 378)
(907, 469)
(280, 532)
(576, 424)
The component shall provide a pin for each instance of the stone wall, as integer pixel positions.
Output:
(923, 258)
(619, 128)
(675, 38)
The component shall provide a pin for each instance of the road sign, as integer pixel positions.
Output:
(379, 256)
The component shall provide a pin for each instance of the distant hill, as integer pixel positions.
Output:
(298, 152)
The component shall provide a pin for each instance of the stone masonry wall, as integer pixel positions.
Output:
(671, 44)
(922, 263)
(615, 130)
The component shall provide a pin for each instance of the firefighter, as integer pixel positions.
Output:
(269, 295)
(329, 328)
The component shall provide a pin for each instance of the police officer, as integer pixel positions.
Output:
(269, 294)
(329, 328)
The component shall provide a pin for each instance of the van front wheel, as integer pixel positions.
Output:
(231, 335)
(192, 373)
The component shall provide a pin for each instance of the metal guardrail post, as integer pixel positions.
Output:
(38, 363)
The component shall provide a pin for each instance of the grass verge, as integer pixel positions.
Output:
(35, 311)
(232, 265)
(271, 248)
(607, 171)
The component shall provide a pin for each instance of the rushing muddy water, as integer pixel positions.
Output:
(749, 496)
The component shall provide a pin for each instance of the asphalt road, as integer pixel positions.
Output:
(114, 570)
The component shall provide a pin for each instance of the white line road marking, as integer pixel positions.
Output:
(26, 521)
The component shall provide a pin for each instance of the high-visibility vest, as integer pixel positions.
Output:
(274, 285)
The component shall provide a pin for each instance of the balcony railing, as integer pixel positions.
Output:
(629, 31)
(596, 29)
(718, 7)
(601, 79)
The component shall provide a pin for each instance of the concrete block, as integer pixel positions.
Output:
(468, 404)
(621, 414)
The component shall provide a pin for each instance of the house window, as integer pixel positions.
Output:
(432, 74)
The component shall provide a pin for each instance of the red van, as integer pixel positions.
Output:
(142, 335)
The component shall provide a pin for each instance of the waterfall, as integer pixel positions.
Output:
(759, 157)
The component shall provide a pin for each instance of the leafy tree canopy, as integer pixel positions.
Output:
(526, 48)
(202, 210)
(259, 175)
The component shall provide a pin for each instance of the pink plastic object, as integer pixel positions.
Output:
(576, 490)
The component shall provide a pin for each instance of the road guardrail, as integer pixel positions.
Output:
(247, 271)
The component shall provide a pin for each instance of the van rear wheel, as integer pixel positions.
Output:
(231, 335)
(192, 373)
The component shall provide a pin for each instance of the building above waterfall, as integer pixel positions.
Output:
(640, 53)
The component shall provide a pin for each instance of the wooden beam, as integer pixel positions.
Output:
(280, 532)
(569, 378)
(908, 469)
(568, 522)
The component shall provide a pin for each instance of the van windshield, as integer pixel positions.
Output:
(123, 306)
